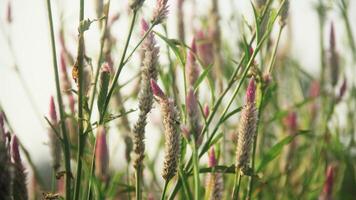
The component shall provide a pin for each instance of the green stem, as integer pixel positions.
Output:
(138, 182)
(164, 189)
(66, 150)
(349, 32)
(81, 136)
(237, 183)
(196, 171)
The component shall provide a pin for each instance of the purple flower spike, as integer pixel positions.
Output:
(15, 150)
(52, 110)
(212, 162)
(144, 26)
(251, 91)
(156, 90)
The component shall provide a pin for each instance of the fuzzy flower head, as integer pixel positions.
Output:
(171, 120)
(193, 115)
(161, 11)
(251, 92)
(247, 128)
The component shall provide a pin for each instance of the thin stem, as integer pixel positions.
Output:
(138, 182)
(81, 136)
(196, 171)
(348, 29)
(164, 189)
(237, 183)
(60, 105)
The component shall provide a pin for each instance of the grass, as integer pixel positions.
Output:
(304, 142)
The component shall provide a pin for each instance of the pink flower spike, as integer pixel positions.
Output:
(206, 110)
(102, 154)
(156, 90)
(144, 26)
(191, 103)
(212, 162)
(329, 180)
(15, 150)
(251, 91)
(52, 111)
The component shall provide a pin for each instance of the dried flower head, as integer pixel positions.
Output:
(102, 155)
(160, 12)
(19, 186)
(171, 132)
(247, 128)
(148, 72)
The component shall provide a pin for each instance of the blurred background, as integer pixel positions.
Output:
(25, 43)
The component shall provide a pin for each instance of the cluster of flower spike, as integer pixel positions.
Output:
(247, 128)
(148, 72)
(171, 132)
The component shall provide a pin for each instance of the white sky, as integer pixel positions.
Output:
(31, 43)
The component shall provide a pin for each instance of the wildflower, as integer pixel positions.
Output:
(148, 71)
(19, 188)
(192, 70)
(333, 58)
(9, 12)
(161, 11)
(214, 184)
(102, 155)
(54, 143)
(206, 111)
(171, 126)
(193, 116)
(326, 194)
(284, 13)
(204, 48)
(247, 128)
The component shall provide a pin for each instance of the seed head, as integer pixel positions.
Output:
(54, 143)
(171, 120)
(193, 115)
(333, 58)
(247, 129)
(9, 12)
(161, 11)
(284, 13)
